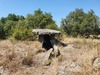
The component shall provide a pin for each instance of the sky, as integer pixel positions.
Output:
(59, 9)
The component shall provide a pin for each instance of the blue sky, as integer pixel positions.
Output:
(58, 8)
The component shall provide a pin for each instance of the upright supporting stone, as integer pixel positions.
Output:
(55, 47)
(46, 60)
(56, 51)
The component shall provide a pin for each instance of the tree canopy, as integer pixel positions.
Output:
(80, 23)
(20, 27)
(76, 23)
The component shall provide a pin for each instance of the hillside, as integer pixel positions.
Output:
(24, 58)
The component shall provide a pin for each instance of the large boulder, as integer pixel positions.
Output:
(96, 64)
(46, 60)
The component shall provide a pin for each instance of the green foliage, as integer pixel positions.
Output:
(14, 17)
(20, 28)
(8, 26)
(52, 26)
(22, 32)
(3, 20)
(77, 23)
(80, 23)
(1, 31)
(39, 19)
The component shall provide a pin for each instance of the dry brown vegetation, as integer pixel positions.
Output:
(24, 58)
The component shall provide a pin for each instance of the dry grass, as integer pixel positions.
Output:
(86, 51)
(23, 58)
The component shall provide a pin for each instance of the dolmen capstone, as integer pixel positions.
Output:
(48, 41)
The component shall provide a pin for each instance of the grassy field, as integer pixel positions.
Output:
(24, 58)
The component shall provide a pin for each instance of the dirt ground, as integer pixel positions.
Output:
(24, 58)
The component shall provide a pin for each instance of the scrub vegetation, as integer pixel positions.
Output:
(77, 24)
(21, 53)
(24, 58)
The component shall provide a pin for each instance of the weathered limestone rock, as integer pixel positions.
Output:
(71, 69)
(96, 64)
(1, 70)
(54, 42)
(46, 60)
(45, 31)
(56, 51)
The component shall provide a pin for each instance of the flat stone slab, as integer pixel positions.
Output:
(46, 58)
(45, 31)
(96, 63)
